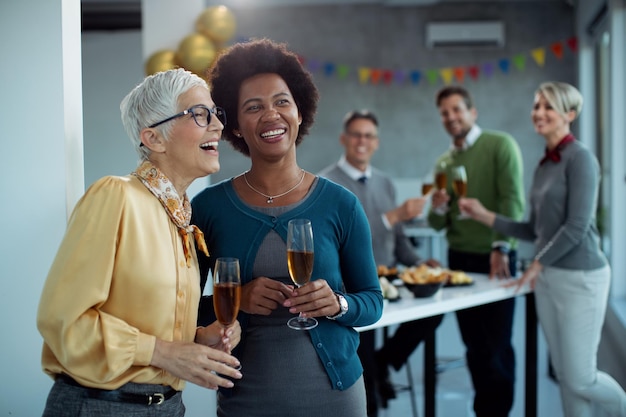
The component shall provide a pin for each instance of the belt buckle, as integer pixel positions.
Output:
(156, 399)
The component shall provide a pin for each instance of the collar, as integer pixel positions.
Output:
(554, 155)
(351, 171)
(471, 138)
(177, 208)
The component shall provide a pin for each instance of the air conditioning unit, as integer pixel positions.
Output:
(465, 34)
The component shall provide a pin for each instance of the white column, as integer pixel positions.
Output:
(40, 177)
(72, 102)
(617, 27)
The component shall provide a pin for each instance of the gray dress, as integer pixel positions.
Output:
(282, 374)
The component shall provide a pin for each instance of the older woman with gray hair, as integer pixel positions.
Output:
(569, 272)
(118, 311)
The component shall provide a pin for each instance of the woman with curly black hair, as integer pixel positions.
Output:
(271, 101)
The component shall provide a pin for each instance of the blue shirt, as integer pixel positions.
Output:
(343, 257)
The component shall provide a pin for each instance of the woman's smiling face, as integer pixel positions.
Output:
(268, 116)
(547, 121)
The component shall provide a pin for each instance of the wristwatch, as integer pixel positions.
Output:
(343, 307)
(503, 249)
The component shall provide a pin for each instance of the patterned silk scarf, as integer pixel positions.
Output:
(178, 209)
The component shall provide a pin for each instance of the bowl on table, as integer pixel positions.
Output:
(424, 281)
(424, 290)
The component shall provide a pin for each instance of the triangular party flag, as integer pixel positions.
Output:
(504, 65)
(343, 71)
(432, 76)
(376, 74)
(314, 65)
(459, 74)
(473, 71)
(573, 43)
(519, 61)
(329, 69)
(539, 55)
(446, 75)
(399, 76)
(364, 75)
(416, 76)
(488, 69)
(557, 49)
(387, 76)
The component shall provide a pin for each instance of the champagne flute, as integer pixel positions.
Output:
(300, 263)
(226, 290)
(459, 183)
(427, 185)
(441, 176)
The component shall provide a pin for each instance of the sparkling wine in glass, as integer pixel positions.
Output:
(441, 176)
(459, 184)
(427, 185)
(226, 290)
(300, 257)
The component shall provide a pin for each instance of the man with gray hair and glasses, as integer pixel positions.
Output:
(391, 246)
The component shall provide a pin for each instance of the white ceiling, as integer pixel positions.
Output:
(126, 14)
(124, 3)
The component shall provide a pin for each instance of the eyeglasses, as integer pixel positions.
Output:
(201, 115)
(358, 135)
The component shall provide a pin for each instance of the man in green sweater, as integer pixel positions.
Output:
(493, 163)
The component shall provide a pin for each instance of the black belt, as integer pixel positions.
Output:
(154, 398)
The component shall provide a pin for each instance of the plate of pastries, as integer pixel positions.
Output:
(424, 281)
(423, 274)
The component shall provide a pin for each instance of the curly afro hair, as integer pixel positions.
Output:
(244, 60)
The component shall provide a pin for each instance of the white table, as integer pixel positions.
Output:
(449, 299)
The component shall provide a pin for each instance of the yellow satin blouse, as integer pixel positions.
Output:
(118, 282)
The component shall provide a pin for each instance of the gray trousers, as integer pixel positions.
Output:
(571, 305)
(66, 400)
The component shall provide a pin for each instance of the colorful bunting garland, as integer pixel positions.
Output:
(377, 76)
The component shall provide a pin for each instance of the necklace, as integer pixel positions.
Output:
(270, 198)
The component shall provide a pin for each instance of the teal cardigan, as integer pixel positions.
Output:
(343, 257)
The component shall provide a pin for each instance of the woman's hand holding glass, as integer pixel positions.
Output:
(196, 363)
(263, 295)
(316, 299)
(475, 210)
(218, 337)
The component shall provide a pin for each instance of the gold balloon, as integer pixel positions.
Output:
(196, 53)
(218, 23)
(162, 60)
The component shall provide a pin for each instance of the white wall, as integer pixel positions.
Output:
(33, 184)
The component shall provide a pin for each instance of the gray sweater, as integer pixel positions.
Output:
(378, 196)
(563, 202)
